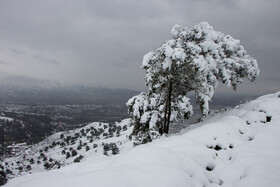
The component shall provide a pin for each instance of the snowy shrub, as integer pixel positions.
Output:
(61, 136)
(110, 147)
(28, 168)
(195, 60)
(54, 144)
(46, 149)
(106, 147)
(47, 166)
(74, 152)
(68, 155)
(20, 168)
(8, 171)
(62, 144)
(42, 155)
(115, 149)
(100, 131)
(105, 152)
(118, 133)
(79, 158)
(112, 129)
(82, 131)
(68, 138)
(124, 127)
(73, 141)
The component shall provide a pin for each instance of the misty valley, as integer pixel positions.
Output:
(29, 115)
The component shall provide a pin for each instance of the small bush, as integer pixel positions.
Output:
(20, 168)
(47, 165)
(79, 158)
(46, 149)
(61, 136)
(8, 171)
(68, 155)
(62, 144)
(28, 168)
(74, 152)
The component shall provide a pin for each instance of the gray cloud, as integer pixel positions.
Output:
(103, 42)
(45, 60)
(2, 62)
(16, 51)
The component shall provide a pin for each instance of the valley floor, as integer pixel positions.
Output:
(239, 147)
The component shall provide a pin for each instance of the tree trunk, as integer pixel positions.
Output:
(165, 117)
(168, 109)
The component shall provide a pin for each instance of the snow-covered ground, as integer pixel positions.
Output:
(6, 118)
(63, 148)
(240, 147)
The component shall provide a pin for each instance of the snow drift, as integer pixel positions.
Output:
(240, 147)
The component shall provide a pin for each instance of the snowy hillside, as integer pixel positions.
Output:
(96, 140)
(240, 147)
(6, 118)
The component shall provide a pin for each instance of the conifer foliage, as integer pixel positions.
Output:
(194, 60)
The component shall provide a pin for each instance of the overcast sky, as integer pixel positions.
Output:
(102, 43)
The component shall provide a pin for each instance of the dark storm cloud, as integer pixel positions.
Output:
(103, 42)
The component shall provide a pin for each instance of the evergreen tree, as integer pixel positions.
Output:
(3, 177)
(194, 60)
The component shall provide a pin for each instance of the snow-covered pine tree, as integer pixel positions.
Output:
(194, 60)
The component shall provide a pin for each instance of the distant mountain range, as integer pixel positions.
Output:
(27, 90)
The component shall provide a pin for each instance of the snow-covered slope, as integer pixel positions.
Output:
(96, 140)
(6, 118)
(240, 147)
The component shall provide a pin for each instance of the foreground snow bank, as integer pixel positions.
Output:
(240, 147)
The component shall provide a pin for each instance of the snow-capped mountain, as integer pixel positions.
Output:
(238, 147)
